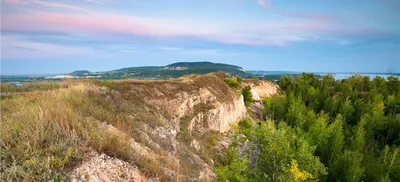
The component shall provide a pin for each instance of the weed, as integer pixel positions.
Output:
(212, 140)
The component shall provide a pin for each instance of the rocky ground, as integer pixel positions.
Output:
(101, 167)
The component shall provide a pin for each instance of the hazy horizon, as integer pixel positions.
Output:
(40, 36)
(250, 70)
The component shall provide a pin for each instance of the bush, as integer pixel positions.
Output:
(245, 124)
(212, 140)
(281, 157)
(247, 95)
(233, 82)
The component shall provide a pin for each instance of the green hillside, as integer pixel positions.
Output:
(170, 71)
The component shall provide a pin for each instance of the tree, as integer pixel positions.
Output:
(331, 155)
(275, 107)
(247, 95)
(347, 110)
(318, 133)
(295, 115)
(351, 125)
(382, 166)
(274, 154)
(286, 82)
(234, 168)
(393, 85)
(351, 160)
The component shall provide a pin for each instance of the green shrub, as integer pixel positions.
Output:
(277, 148)
(233, 82)
(212, 140)
(247, 95)
(351, 126)
(245, 124)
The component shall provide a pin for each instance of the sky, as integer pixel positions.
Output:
(47, 37)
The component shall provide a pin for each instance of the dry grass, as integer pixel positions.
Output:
(43, 133)
(27, 87)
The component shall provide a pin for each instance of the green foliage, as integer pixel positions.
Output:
(275, 148)
(349, 166)
(382, 164)
(275, 107)
(212, 140)
(233, 82)
(350, 126)
(173, 71)
(245, 124)
(335, 144)
(234, 168)
(247, 95)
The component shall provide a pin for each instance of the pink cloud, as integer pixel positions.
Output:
(59, 5)
(99, 1)
(47, 4)
(88, 23)
(263, 3)
(108, 25)
(99, 24)
(105, 23)
(13, 2)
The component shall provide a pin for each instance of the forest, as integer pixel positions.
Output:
(320, 129)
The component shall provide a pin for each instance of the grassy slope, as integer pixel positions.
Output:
(42, 133)
(47, 129)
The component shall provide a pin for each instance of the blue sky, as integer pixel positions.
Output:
(42, 36)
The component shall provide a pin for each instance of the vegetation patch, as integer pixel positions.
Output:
(321, 130)
(233, 82)
(247, 96)
(44, 133)
(33, 86)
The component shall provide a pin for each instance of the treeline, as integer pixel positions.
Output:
(321, 130)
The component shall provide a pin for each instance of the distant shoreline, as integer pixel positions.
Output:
(262, 72)
(320, 73)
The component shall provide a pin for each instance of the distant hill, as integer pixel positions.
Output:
(169, 71)
(206, 65)
(80, 72)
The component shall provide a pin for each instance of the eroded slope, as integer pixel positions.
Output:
(148, 130)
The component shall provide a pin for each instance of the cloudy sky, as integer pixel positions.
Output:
(43, 36)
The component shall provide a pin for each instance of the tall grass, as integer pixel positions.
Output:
(45, 133)
(41, 85)
(41, 133)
